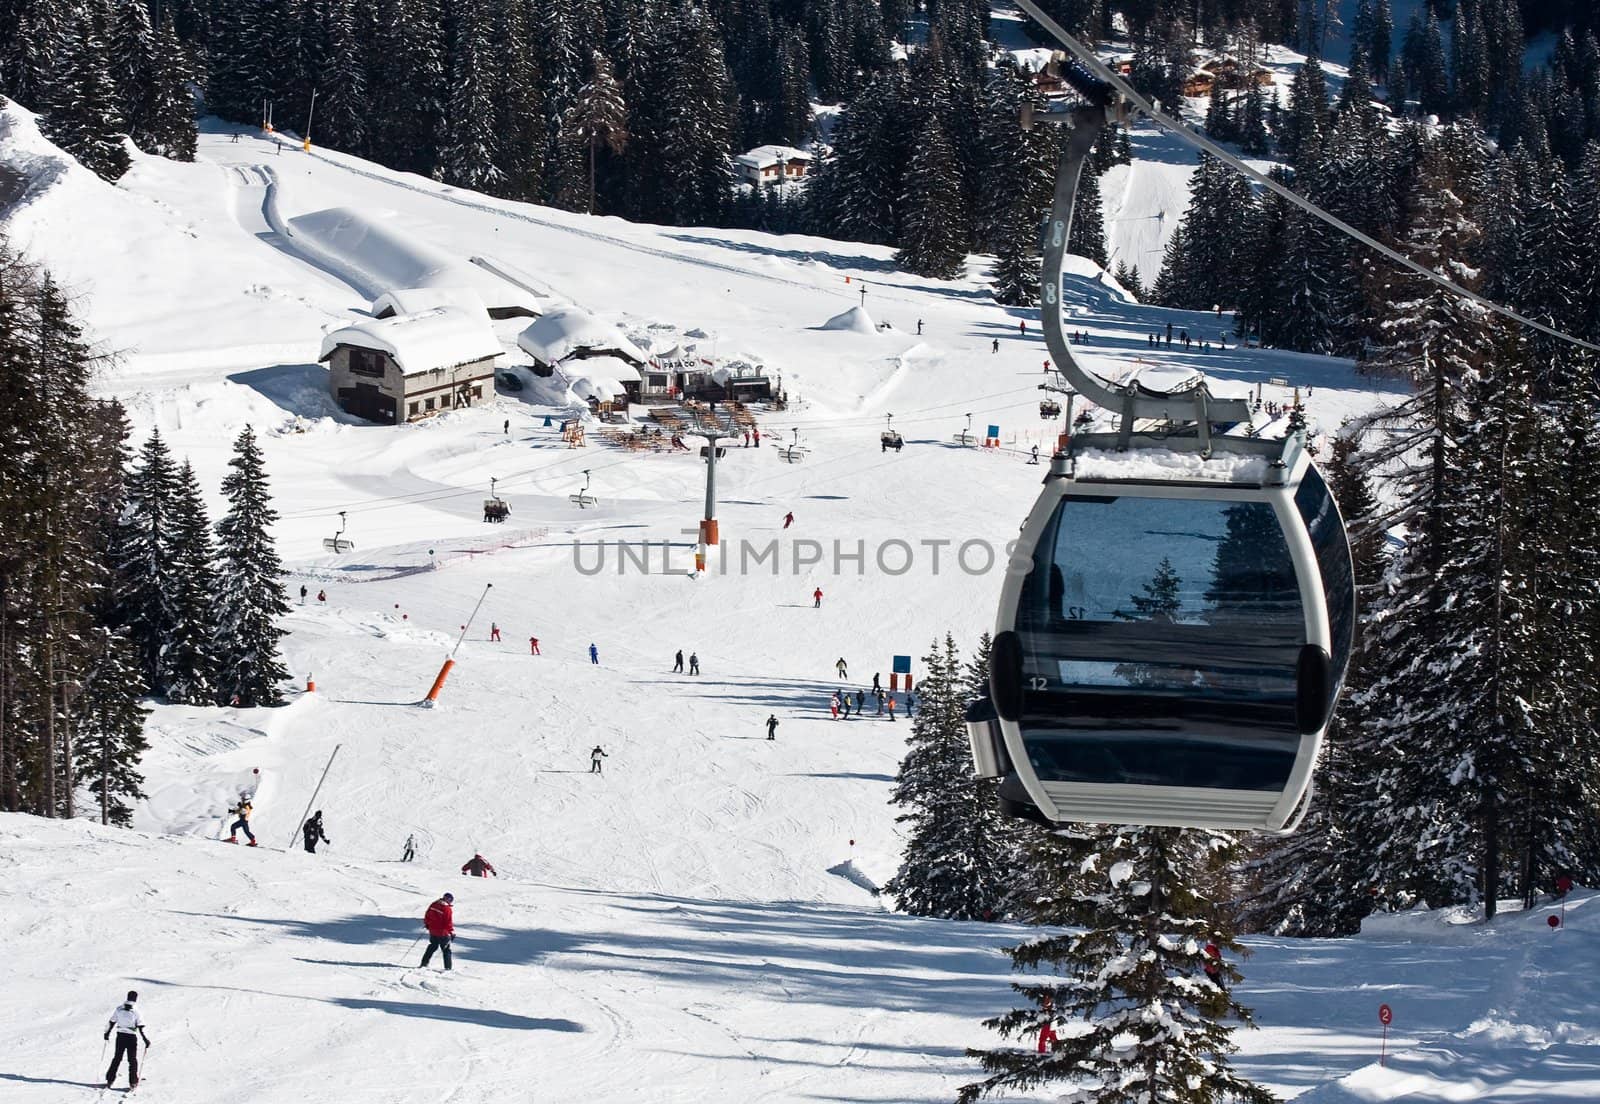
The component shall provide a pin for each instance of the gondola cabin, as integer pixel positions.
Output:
(1171, 639)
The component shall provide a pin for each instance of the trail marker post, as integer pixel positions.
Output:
(450, 660)
(1385, 1017)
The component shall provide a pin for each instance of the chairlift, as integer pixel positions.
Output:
(583, 499)
(339, 542)
(495, 508)
(794, 452)
(1049, 409)
(1174, 629)
(890, 437)
(965, 438)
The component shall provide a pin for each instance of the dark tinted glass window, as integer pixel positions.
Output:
(1160, 638)
(1322, 520)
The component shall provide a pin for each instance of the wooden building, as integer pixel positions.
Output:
(772, 165)
(408, 366)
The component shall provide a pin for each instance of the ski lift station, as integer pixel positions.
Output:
(408, 366)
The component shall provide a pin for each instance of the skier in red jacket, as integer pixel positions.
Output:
(440, 920)
(478, 867)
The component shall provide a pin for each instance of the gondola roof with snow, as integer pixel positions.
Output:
(428, 341)
(572, 331)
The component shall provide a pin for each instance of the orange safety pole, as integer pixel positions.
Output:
(450, 660)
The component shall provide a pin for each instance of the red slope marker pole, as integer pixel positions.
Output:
(450, 660)
(1385, 1015)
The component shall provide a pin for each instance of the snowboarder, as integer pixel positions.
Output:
(816, 598)
(842, 667)
(694, 663)
(919, 327)
(478, 866)
(994, 346)
(677, 663)
(242, 812)
(594, 653)
(411, 848)
(312, 830)
(303, 593)
(877, 684)
(594, 760)
(889, 701)
(772, 726)
(494, 633)
(833, 705)
(788, 519)
(440, 920)
(533, 645)
(125, 1020)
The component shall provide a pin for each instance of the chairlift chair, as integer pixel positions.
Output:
(339, 542)
(495, 508)
(1049, 409)
(583, 499)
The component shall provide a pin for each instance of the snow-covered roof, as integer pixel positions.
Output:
(443, 337)
(554, 337)
(601, 368)
(416, 300)
(763, 156)
(1165, 466)
(380, 253)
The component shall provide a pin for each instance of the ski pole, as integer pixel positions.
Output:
(105, 1041)
(410, 951)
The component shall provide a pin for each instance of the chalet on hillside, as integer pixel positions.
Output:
(772, 165)
(407, 366)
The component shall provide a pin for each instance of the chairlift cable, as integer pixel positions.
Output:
(1105, 73)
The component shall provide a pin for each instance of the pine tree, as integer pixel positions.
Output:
(598, 117)
(188, 665)
(146, 591)
(170, 129)
(1143, 1005)
(1380, 45)
(343, 107)
(521, 124)
(82, 114)
(110, 725)
(959, 857)
(1128, 276)
(468, 155)
(1087, 236)
(933, 238)
(1300, 136)
(1016, 270)
(250, 596)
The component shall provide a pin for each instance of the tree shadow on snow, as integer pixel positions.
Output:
(26, 1080)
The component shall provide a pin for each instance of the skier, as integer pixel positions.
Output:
(677, 663)
(312, 830)
(919, 327)
(877, 685)
(1022, 328)
(411, 848)
(844, 705)
(440, 920)
(772, 726)
(242, 812)
(303, 593)
(1169, 333)
(494, 633)
(125, 1020)
(816, 598)
(746, 436)
(911, 704)
(861, 702)
(889, 701)
(594, 653)
(506, 429)
(833, 705)
(533, 645)
(322, 596)
(594, 760)
(755, 435)
(879, 696)
(994, 347)
(478, 866)
(694, 663)
(843, 668)
(788, 519)
(1035, 458)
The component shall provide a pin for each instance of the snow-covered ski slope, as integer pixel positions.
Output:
(696, 923)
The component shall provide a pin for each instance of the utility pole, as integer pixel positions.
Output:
(310, 111)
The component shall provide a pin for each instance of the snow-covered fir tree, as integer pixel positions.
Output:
(598, 118)
(146, 588)
(468, 156)
(960, 856)
(83, 112)
(110, 728)
(250, 596)
(1087, 235)
(188, 663)
(1135, 990)
(933, 235)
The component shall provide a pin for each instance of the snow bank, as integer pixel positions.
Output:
(383, 256)
(855, 320)
(556, 336)
(426, 342)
